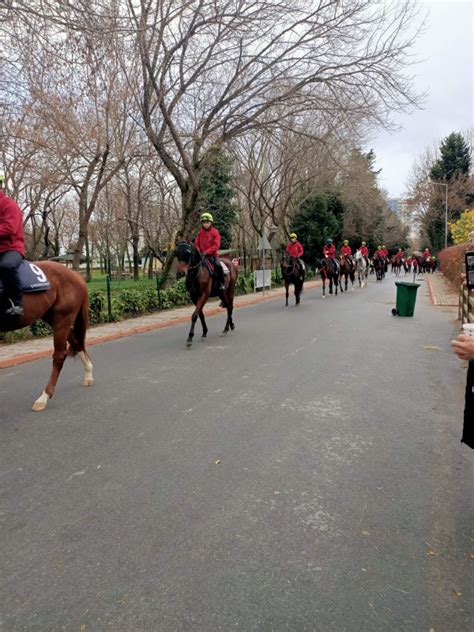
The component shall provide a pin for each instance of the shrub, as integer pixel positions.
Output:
(452, 261)
(40, 329)
(96, 307)
(130, 302)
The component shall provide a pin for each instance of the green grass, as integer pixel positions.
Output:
(99, 283)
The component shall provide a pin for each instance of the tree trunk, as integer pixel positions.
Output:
(136, 263)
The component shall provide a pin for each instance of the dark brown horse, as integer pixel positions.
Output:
(292, 272)
(347, 272)
(379, 266)
(65, 307)
(329, 272)
(200, 284)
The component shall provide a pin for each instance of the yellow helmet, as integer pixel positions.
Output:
(383, 246)
(292, 235)
(380, 247)
(346, 242)
(207, 217)
(363, 243)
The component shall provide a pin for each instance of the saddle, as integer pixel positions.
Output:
(214, 275)
(32, 278)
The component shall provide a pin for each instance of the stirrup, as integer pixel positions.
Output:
(13, 310)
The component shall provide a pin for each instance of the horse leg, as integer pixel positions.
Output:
(287, 292)
(298, 290)
(60, 352)
(77, 343)
(199, 306)
(204, 325)
(230, 309)
(86, 361)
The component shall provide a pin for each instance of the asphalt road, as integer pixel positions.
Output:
(304, 473)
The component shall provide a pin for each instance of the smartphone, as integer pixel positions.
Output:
(470, 269)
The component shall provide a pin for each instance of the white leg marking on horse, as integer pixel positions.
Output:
(88, 379)
(41, 402)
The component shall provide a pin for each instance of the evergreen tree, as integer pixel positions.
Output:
(319, 217)
(455, 160)
(452, 168)
(216, 194)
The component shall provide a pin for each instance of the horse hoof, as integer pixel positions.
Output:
(394, 312)
(88, 381)
(37, 406)
(223, 334)
(189, 345)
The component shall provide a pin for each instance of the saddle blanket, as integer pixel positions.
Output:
(224, 267)
(32, 278)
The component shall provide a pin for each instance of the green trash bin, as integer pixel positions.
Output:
(406, 298)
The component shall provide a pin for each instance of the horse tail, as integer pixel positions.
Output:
(77, 335)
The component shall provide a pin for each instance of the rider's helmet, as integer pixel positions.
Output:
(329, 241)
(293, 235)
(363, 243)
(2, 180)
(383, 246)
(207, 217)
(346, 242)
(379, 247)
(399, 250)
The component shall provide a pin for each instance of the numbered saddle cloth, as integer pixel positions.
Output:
(32, 278)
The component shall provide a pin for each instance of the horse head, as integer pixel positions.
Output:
(184, 254)
(286, 260)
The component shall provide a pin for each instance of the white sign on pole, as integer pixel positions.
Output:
(262, 278)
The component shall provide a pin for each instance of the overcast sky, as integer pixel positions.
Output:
(447, 75)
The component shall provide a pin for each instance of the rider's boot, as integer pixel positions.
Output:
(14, 310)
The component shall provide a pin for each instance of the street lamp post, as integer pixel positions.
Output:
(443, 184)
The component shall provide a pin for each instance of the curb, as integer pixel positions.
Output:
(213, 311)
(433, 298)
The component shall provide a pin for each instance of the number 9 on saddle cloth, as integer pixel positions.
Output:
(32, 279)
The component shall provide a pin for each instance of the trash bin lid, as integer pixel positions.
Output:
(406, 284)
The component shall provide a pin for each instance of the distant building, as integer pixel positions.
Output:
(399, 206)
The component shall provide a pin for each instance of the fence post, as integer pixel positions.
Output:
(109, 300)
(158, 289)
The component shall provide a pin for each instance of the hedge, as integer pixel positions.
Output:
(452, 261)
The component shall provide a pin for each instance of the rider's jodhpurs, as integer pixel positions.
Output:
(9, 263)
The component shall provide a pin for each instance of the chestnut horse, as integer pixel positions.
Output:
(292, 272)
(65, 307)
(200, 282)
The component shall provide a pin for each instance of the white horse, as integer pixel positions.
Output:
(362, 268)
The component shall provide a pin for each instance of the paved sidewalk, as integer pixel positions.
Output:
(19, 352)
(441, 290)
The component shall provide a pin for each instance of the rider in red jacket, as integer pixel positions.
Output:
(329, 251)
(364, 251)
(346, 250)
(207, 242)
(295, 249)
(400, 254)
(12, 251)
